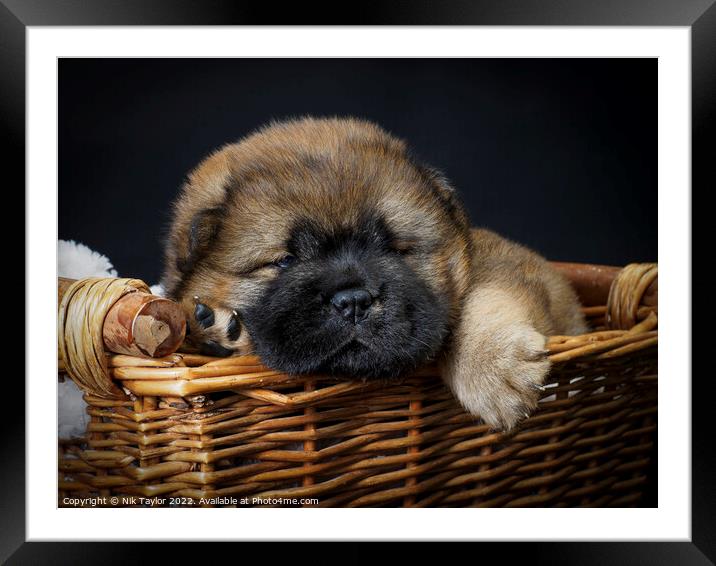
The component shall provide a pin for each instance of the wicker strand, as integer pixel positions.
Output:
(79, 331)
(626, 293)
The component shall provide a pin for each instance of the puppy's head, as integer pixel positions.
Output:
(325, 245)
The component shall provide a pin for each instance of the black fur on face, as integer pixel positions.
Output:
(297, 329)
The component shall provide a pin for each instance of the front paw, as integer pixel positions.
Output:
(213, 329)
(499, 377)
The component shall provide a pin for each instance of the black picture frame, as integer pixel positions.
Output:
(699, 15)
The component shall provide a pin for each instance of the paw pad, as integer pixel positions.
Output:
(233, 329)
(211, 348)
(203, 314)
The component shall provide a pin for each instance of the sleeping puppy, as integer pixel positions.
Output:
(322, 246)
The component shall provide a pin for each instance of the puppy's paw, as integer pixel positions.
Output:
(499, 376)
(214, 329)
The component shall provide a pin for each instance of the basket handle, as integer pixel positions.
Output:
(634, 286)
(117, 315)
(593, 282)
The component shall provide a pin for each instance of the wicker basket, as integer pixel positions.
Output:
(199, 431)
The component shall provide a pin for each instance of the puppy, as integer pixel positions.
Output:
(322, 246)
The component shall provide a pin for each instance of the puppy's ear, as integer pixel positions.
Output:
(446, 194)
(202, 232)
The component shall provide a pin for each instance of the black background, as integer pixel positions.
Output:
(559, 154)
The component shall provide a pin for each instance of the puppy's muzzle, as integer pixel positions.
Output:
(352, 304)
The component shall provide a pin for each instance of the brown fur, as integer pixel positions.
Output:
(497, 362)
(237, 208)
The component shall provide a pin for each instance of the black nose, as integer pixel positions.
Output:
(352, 304)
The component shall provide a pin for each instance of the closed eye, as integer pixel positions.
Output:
(285, 262)
(403, 247)
(282, 262)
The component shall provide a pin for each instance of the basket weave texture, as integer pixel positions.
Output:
(230, 431)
